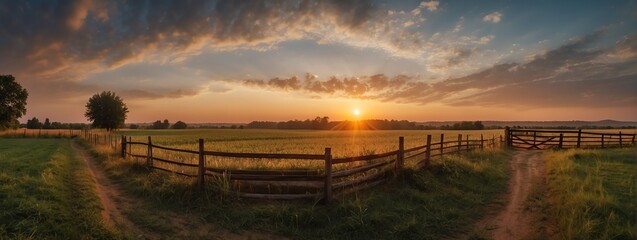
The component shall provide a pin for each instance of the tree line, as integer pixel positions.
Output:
(34, 123)
(323, 123)
(161, 125)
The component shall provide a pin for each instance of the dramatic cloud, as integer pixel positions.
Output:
(431, 5)
(494, 17)
(571, 75)
(70, 40)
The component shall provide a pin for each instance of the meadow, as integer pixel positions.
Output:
(418, 204)
(592, 192)
(46, 193)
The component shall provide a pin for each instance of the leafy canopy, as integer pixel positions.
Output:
(13, 101)
(106, 110)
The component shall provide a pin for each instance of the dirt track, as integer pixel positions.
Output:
(115, 202)
(515, 220)
(108, 193)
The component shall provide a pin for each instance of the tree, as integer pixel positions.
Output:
(34, 123)
(166, 124)
(47, 124)
(158, 125)
(106, 110)
(180, 125)
(13, 101)
(133, 126)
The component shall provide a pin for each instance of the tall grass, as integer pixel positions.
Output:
(593, 193)
(421, 204)
(46, 193)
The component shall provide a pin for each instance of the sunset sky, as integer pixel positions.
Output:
(238, 61)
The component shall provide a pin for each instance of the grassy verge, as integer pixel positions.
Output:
(419, 205)
(593, 193)
(46, 193)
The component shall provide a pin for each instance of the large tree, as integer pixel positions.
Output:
(106, 110)
(13, 101)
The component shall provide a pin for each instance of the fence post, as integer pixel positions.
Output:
(579, 137)
(202, 162)
(123, 146)
(507, 136)
(620, 139)
(468, 147)
(459, 143)
(149, 159)
(561, 139)
(428, 152)
(481, 141)
(442, 146)
(328, 176)
(534, 137)
(633, 141)
(602, 140)
(130, 146)
(401, 153)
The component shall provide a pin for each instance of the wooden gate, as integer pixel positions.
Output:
(552, 139)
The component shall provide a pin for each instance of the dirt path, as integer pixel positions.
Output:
(516, 220)
(109, 194)
(115, 203)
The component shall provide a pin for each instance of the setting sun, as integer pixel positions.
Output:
(357, 112)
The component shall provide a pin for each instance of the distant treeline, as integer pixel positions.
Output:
(323, 123)
(34, 123)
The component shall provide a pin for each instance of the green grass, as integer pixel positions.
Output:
(46, 193)
(593, 193)
(421, 204)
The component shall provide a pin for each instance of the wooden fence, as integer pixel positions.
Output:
(360, 172)
(560, 139)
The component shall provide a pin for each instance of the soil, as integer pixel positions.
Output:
(516, 220)
(115, 202)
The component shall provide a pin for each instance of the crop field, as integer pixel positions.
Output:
(342, 143)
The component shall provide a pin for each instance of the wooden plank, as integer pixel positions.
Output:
(361, 187)
(318, 185)
(415, 155)
(415, 148)
(266, 155)
(363, 158)
(348, 172)
(356, 181)
(278, 196)
(256, 177)
(175, 149)
(267, 172)
(174, 162)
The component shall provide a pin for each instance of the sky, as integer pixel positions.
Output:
(239, 61)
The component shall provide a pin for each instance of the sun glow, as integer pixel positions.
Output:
(357, 112)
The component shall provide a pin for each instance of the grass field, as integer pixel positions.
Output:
(593, 193)
(421, 204)
(46, 193)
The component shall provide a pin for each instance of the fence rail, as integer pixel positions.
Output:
(560, 139)
(362, 171)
